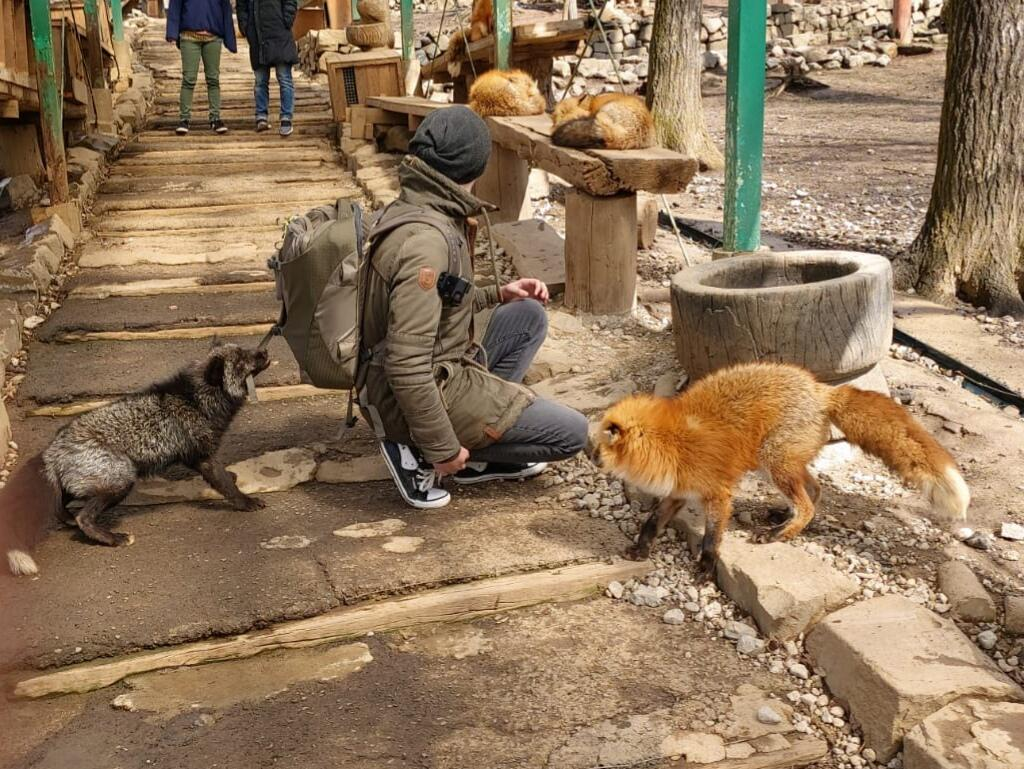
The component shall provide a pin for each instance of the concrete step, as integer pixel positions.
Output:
(160, 312)
(242, 248)
(270, 193)
(91, 370)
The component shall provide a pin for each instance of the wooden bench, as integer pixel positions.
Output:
(600, 210)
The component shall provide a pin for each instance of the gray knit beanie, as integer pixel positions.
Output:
(455, 141)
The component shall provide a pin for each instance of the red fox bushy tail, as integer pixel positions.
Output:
(884, 429)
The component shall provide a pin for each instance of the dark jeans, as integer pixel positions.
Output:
(545, 431)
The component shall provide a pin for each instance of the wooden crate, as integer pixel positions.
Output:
(356, 77)
(308, 18)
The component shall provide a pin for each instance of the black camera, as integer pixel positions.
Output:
(452, 288)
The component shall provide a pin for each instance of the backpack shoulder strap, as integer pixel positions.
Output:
(389, 220)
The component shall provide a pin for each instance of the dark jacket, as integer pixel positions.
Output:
(422, 379)
(209, 15)
(267, 25)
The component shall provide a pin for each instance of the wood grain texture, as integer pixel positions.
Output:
(828, 311)
(455, 603)
(600, 252)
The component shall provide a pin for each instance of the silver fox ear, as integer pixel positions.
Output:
(215, 342)
(214, 372)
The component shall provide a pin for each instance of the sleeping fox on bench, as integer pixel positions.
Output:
(612, 121)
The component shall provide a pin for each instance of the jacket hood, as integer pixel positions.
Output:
(423, 186)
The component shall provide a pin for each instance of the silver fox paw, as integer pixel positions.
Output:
(123, 540)
(249, 504)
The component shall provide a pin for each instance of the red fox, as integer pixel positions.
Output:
(481, 23)
(506, 93)
(696, 447)
(612, 121)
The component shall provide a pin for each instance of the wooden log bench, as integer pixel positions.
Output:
(600, 210)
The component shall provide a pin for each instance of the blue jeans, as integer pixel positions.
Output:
(262, 91)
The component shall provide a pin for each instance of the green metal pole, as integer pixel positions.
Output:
(355, 11)
(51, 101)
(502, 33)
(744, 125)
(117, 17)
(407, 30)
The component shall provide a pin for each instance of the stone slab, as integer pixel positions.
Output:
(968, 734)
(536, 251)
(968, 598)
(783, 587)
(895, 663)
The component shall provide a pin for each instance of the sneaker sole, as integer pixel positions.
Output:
(530, 472)
(443, 502)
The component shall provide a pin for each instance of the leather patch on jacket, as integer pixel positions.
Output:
(428, 278)
(493, 434)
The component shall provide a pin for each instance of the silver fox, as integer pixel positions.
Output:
(98, 457)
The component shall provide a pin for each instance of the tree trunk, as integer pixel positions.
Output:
(972, 242)
(673, 89)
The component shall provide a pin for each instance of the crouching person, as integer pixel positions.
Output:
(447, 406)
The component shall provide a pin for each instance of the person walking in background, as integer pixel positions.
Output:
(267, 25)
(199, 28)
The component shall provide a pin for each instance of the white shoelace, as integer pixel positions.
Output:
(424, 479)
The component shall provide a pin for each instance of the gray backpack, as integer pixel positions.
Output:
(320, 270)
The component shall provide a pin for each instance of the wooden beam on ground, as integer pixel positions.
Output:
(455, 603)
(801, 753)
(159, 287)
(263, 394)
(198, 332)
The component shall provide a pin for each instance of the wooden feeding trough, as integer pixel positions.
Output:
(533, 50)
(600, 212)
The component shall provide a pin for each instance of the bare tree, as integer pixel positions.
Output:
(972, 242)
(673, 87)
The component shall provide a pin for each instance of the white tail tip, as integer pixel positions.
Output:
(21, 563)
(949, 493)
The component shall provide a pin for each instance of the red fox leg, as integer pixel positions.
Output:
(652, 528)
(717, 512)
(794, 486)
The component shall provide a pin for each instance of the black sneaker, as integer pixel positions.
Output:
(217, 126)
(183, 126)
(480, 472)
(262, 124)
(286, 128)
(415, 479)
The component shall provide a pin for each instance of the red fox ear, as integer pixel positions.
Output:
(612, 433)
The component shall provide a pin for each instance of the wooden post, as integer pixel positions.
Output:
(902, 26)
(93, 46)
(600, 252)
(50, 103)
(504, 183)
(502, 33)
(94, 65)
(744, 126)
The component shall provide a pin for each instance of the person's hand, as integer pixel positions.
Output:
(453, 466)
(524, 288)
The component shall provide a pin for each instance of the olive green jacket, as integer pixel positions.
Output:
(423, 380)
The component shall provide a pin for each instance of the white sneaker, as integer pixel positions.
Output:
(481, 472)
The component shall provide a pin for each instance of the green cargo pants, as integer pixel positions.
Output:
(192, 51)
